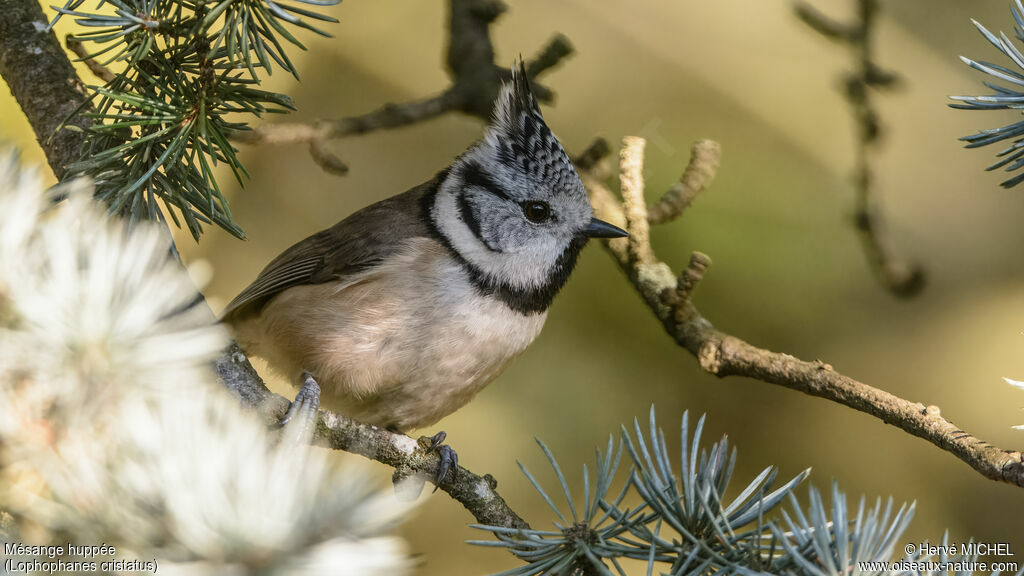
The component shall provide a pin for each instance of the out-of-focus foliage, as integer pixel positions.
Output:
(190, 74)
(114, 429)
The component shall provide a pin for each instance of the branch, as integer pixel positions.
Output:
(724, 355)
(899, 277)
(316, 134)
(43, 82)
(48, 90)
(475, 81)
(822, 24)
(407, 456)
(98, 70)
(704, 159)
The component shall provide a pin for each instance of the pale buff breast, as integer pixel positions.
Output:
(410, 341)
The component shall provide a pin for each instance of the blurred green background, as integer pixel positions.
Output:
(788, 272)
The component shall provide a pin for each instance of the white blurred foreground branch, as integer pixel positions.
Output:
(114, 428)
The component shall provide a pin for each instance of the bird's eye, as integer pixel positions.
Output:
(536, 211)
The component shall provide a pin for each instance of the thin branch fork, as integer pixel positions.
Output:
(724, 355)
(475, 81)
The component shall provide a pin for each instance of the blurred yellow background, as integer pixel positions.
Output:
(788, 272)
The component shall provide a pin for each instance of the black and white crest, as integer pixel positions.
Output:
(512, 208)
(522, 138)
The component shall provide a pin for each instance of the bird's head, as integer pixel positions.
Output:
(513, 206)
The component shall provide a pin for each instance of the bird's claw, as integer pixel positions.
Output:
(449, 458)
(306, 403)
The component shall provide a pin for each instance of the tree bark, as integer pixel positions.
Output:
(44, 83)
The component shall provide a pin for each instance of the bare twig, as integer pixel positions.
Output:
(593, 156)
(98, 70)
(317, 134)
(557, 48)
(824, 25)
(327, 159)
(899, 277)
(692, 274)
(476, 80)
(724, 355)
(704, 158)
(631, 164)
(388, 116)
(7, 527)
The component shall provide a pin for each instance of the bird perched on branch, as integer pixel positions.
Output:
(406, 309)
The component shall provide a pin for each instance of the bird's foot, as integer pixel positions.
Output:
(449, 459)
(307, 402)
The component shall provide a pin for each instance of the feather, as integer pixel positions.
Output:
(353, 245)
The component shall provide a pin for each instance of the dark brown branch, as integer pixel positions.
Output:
(475, 81)
(901, 278)
(591, 158)
(724, 355)
(822, 24)
(550, 56)
(43, 82)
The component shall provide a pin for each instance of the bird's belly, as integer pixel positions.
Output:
(405, 348)
(424, 368)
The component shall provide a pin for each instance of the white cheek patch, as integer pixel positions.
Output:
(522, 269)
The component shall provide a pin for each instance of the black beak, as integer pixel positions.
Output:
(601, 229)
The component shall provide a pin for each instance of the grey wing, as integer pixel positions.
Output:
(297, 265)
(350, 246)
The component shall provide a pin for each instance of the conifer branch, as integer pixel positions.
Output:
(191, 75)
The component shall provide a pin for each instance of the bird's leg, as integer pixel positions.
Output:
(306, 403)
(449, 459)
